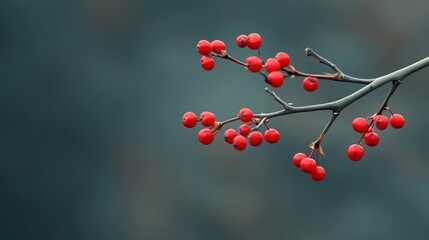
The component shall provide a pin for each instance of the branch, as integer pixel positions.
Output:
(340, 104)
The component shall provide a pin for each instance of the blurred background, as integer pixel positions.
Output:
(92, 146)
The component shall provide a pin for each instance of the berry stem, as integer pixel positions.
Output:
(316, 144)
(228, 121)
(261, 122)
(383, 106)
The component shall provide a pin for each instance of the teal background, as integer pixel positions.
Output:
(92, 146)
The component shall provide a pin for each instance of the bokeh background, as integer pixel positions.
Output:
(91, 142)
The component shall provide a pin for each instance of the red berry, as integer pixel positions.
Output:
(206, 136)
(229, 135)
(254, 41)
(254, 63)
(207, 62)
(397, 120)
(360, 125)
(310, 84)
(244, 129)
(370, 129)
(272, 135)
(297, 158)
(381, 122)
(207, 119)
(308, 165)
(240, 143)
(355, 152)
(283, 59)
(245, 115)
(255, 138)
(241, 41)
(204, 47)
(319, 174)
(218, 46)
(275, 79)
(189, 120)
(371, 139)
(272, 65)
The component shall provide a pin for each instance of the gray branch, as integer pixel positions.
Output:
(338, 105)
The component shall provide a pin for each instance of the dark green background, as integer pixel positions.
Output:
(92, 146)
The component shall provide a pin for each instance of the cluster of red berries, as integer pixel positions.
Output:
(240, 137)
(309, 165)
(273, 66)
(254, 64)
(370, 137)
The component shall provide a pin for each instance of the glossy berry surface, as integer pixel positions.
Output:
(397, 120)
(272, 65)
(241, 41)
(229, 135)
(244, 129)
(275, 79)
(218, 46)
(207, 63)
(206, 136)
(381, 122)
(189, 119)
(360, 125)
(355, 152)
(297, 158)
(254, 41)
(371, 139)
(255, 138)
(245, 115)
(272, 135)
(318, 174)
(310, 84)
(254, 64)
(283, 59)
(207, 119)
(240, 143)
(204, 47)
(308, 165)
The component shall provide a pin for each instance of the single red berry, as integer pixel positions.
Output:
(360, 125)
(206, 136)
(397, 120)
(254, 64)
(207, 62)
(218, 46)
(207, 119)
(371, 139)
(319, 174)
(254, 41)
(297, 158)
(255, 138)
(189, 120)
(275, 79)
(229, 135)
(283, 59)
(308, 165)
(355, 152)
(310, 84)
(381, 122)
(245, 115)
(241, 41)
(244, 129)
(272, 65)
(204, 47)
(240, 143)
(370, 129)
(272, 135)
